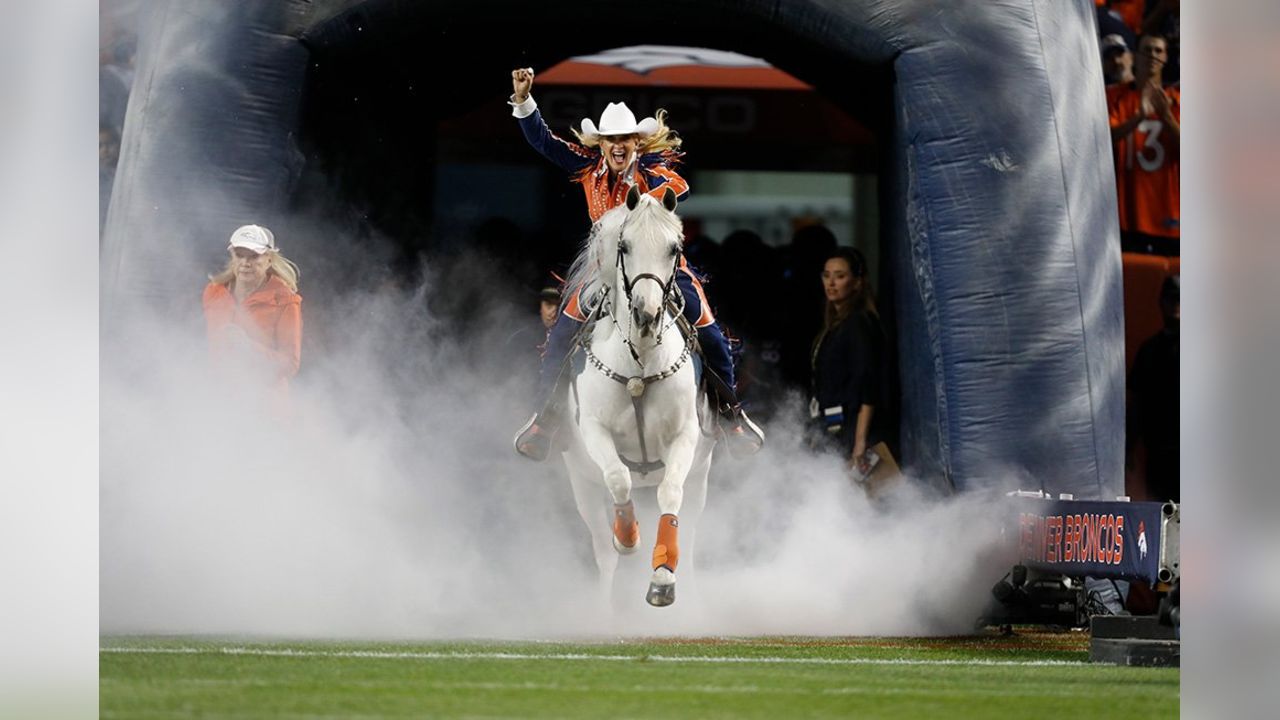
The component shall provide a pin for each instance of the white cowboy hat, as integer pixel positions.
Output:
(617, 119)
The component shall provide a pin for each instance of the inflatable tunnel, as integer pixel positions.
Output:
(997, 190)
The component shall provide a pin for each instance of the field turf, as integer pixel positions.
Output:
(1025, 675)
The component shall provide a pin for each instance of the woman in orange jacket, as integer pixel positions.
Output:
(252, 308)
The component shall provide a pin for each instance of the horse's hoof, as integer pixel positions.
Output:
(662, 588)
(625, 549)
(661, 595)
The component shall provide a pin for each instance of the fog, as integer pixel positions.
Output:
(387, 500)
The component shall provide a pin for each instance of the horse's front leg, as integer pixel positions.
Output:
(600, 446)
(666, 551)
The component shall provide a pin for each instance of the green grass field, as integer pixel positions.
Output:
(1026, 675)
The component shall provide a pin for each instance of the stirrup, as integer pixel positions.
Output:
(534, 439)
(744, 437)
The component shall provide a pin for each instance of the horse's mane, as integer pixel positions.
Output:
(592, 267)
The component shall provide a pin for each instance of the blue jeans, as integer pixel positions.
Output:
(714, 347)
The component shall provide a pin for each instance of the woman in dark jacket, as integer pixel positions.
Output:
(848, 361)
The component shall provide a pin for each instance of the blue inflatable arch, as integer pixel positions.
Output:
(999, 209)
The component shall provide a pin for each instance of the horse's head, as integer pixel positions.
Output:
(647, 252)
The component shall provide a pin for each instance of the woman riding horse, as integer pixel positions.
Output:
(608, 161)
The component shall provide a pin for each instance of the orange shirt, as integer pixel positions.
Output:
(271, 317)
(1147, 164)
(652, 178)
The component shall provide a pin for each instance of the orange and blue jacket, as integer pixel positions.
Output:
(651, 172)
(271, 316)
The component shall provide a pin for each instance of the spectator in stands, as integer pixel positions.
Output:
(1117, 61)
(1146, 136)
(1153, 399)
(1163, 18)
(253, 312)
(848, 362)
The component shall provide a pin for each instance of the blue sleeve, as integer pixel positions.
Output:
(571, 157)
(660, 172)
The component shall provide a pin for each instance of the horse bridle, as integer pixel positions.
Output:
(636, 384)
(629, 283)
(669, 291)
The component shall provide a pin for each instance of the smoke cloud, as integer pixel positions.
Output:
(388, 502)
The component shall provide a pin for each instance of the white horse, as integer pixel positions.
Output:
(634, 408)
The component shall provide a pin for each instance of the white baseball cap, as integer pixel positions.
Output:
(1114, 41)
(253, 237)
(617, 119)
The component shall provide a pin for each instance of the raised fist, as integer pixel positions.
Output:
(521, 83)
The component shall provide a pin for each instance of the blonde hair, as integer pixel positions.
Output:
(279, 265)
(663, 140)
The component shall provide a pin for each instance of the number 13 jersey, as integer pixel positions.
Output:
(1147, 163)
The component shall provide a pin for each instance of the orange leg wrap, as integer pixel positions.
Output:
(625, 527)
(667, 551)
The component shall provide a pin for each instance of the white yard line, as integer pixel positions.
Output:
(462, 655)
(703, 689)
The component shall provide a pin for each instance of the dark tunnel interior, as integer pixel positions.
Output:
(393, 88)
(396, 90)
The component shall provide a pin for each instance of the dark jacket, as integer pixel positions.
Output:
(849, 371)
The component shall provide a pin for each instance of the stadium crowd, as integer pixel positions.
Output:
(1140, 57)
(1139, 44)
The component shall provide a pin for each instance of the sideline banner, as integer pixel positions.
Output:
(1120, 539)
